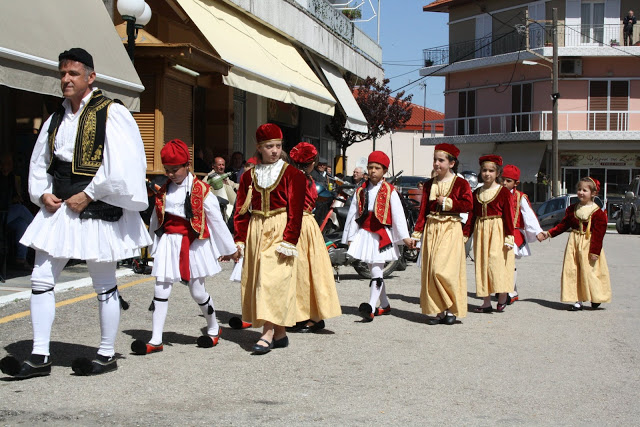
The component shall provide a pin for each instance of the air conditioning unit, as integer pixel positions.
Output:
(570, 67)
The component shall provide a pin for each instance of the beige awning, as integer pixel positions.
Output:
(264, 62)
(355, 118)
(34, 32)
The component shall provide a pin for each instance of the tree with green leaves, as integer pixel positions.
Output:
(383, 112)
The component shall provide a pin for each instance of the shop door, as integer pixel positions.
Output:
(571, 178)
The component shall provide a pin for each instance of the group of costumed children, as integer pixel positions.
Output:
(285, 272)
(284, 268)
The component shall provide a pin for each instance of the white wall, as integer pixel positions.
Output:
(408, 154)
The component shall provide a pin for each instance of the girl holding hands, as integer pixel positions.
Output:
(585, 274)
(491, 222)
(444, 272)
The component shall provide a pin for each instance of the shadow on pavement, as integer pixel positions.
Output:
(549, 304)
(62, 354)
(410, 300)
(168, 338)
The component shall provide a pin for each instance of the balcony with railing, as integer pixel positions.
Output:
(540, 35)
(519, 126)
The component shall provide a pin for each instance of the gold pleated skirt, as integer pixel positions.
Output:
(583, 280)
(444, 272)
(495, 263)
(268, 283)
(316, 294)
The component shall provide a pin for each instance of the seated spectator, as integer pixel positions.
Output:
(18, 216)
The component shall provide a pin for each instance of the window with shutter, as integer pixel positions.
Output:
(178, 112)
(146, 120)
(598, 101)
(612, 98)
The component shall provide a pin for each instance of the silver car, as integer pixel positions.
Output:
(551, 212)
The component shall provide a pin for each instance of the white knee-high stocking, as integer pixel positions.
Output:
(43, 311)
(203, 299)
(109, 311)
(377, 286)
(161, 304)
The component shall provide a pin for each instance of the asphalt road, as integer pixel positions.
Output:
(536, 363)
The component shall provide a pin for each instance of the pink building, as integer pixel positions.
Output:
(498, 100)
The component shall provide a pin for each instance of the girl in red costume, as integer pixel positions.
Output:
(491, 222)
(189, 235)
(267, 227)
(375, 226)
(444, 272)
(585, 275)
(316, 294)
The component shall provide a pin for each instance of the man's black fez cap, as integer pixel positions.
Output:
(77, 54)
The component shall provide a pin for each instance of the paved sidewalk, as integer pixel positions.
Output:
(534, 364)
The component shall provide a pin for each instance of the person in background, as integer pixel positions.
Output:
(627, 28)
(229, 187)
(358, 176)
(319, 173)
(236, 165)
(18, 216)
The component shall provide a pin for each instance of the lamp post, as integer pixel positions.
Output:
(555, 167)
(137, 14)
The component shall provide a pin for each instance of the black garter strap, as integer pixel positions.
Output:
(123, 304)
(210, 311)
(152, 307)
(34, 292)
(379, 281)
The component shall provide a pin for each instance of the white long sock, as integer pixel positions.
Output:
(162, 291)
(515, 284)
(375, 291)
(109, 311)
(204, 300)
(384, 301)
(43, 312)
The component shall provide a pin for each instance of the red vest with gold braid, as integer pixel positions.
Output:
(380, 218)
(518, 222)
(382, 207)
(199, 191)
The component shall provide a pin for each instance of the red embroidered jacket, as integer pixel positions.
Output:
(598, 227)
(459, 193)
(500, 206)
(382, 206)
(199, 190)
(285, 195)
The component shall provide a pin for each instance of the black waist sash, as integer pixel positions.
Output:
(66, 184)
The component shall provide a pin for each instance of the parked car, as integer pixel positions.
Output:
(551, 212)
(628, 216)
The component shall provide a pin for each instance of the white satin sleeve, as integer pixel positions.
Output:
(120, 179)
(399, 229)
(351, 227)
(40, 182)
(218, 231)
(531, 225)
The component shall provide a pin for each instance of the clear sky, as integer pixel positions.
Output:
(405, 30)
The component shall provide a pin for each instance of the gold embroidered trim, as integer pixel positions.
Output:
(268, 214)
(266, 192)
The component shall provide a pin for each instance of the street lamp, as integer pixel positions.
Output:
(137, 14)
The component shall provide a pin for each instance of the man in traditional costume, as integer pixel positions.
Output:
(87, 175)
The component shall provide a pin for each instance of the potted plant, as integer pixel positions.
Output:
(352, 13)
(614, 42)
(428, 62)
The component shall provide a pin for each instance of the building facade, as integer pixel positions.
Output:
(498, 92)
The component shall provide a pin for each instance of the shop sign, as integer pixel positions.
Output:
(600, 159)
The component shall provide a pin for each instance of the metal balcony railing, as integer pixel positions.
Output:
(539, 36)
(536, 121)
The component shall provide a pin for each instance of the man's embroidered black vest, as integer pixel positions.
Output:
(70, 178)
